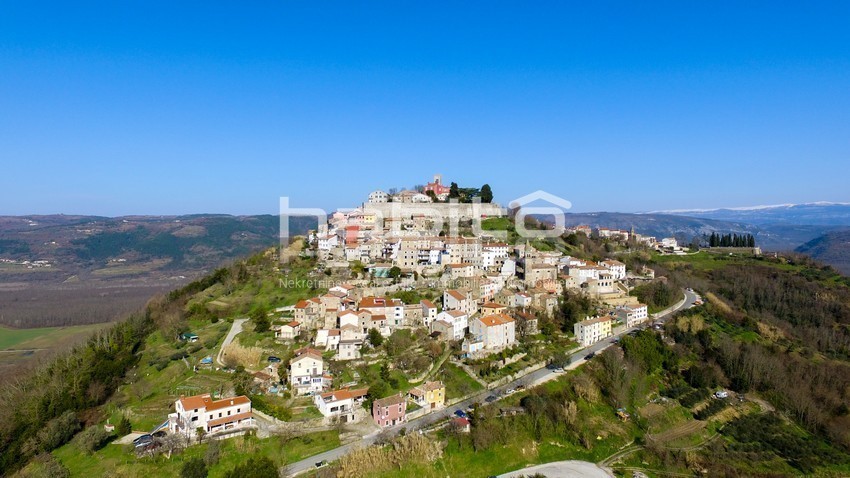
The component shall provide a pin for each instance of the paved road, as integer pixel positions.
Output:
(535, 377)
(562, 469)
(234, 331)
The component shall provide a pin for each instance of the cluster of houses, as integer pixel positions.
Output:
(37, 264)
(436, 188)
(493, 294)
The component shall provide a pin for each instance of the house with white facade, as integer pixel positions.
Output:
(288, 331)
(458, 320)
(495, 331)
(454, 299)
(306, 371)
(592, 330)
(429, 312)
(632, 315)
(212, 416)
(616, 268)
(341, 403)
(378, 197)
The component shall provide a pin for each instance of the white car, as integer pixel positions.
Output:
(510, 391)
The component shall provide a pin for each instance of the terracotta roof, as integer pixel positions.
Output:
(456, 294)
(493, 305)
(455, 313)
(232, 418)
(432, 386)
(308, 350)
(372, 301)
(195, 402)
(427, 303)
(461, 421)
(595, 320)
(293, 324)
(379, 317)
(227, 402)
(495, 319)
(391, 400)
(345, 394)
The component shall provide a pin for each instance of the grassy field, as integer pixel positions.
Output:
(117, 460)
(41, 338)
(458, 383)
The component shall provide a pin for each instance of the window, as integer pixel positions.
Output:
(194, 419)
(219, 414)
(238, 409)
(228, 413)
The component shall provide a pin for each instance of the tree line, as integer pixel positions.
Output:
(731, 240)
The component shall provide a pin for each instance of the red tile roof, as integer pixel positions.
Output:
(232, 418)
(495, 319)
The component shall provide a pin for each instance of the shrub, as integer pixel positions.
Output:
(93, 439)
(713, 408)
(255, 467)
(213, 453)
(124, 427)
(194, 468)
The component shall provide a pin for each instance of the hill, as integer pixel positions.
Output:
(815, 214)
(773, 237)
(832, 248)
(64, 270)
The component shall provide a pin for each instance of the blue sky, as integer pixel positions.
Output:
(153, 108)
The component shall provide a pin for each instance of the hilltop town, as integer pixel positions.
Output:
(435, 311)
(408, 303)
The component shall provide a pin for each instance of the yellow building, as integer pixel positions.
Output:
(430, 394)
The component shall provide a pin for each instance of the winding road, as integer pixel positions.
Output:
(234, 331)
(536, 377)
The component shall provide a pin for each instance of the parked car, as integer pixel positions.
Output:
(491, 399)
(321, 464)
(510, 391)
(590, 356)
(460, 413)
(143, 440)
(558, 369)
(274, 359)
(520, 388)
(721, 394)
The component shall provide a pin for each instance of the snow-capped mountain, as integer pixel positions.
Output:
(813, 214)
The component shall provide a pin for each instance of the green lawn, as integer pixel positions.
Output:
(43, 337)
(116, 460)
(458, 382)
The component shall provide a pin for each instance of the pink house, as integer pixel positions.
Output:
(389, 411)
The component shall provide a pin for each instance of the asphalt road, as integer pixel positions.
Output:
(537, 376)
(234, 331)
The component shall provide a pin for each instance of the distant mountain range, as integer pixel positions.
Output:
(810, 214)
(769, 236)
(137, 245)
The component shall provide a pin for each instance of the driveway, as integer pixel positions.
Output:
(562, 469)
(234, 331)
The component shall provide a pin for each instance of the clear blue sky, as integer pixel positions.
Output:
(119, 108)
